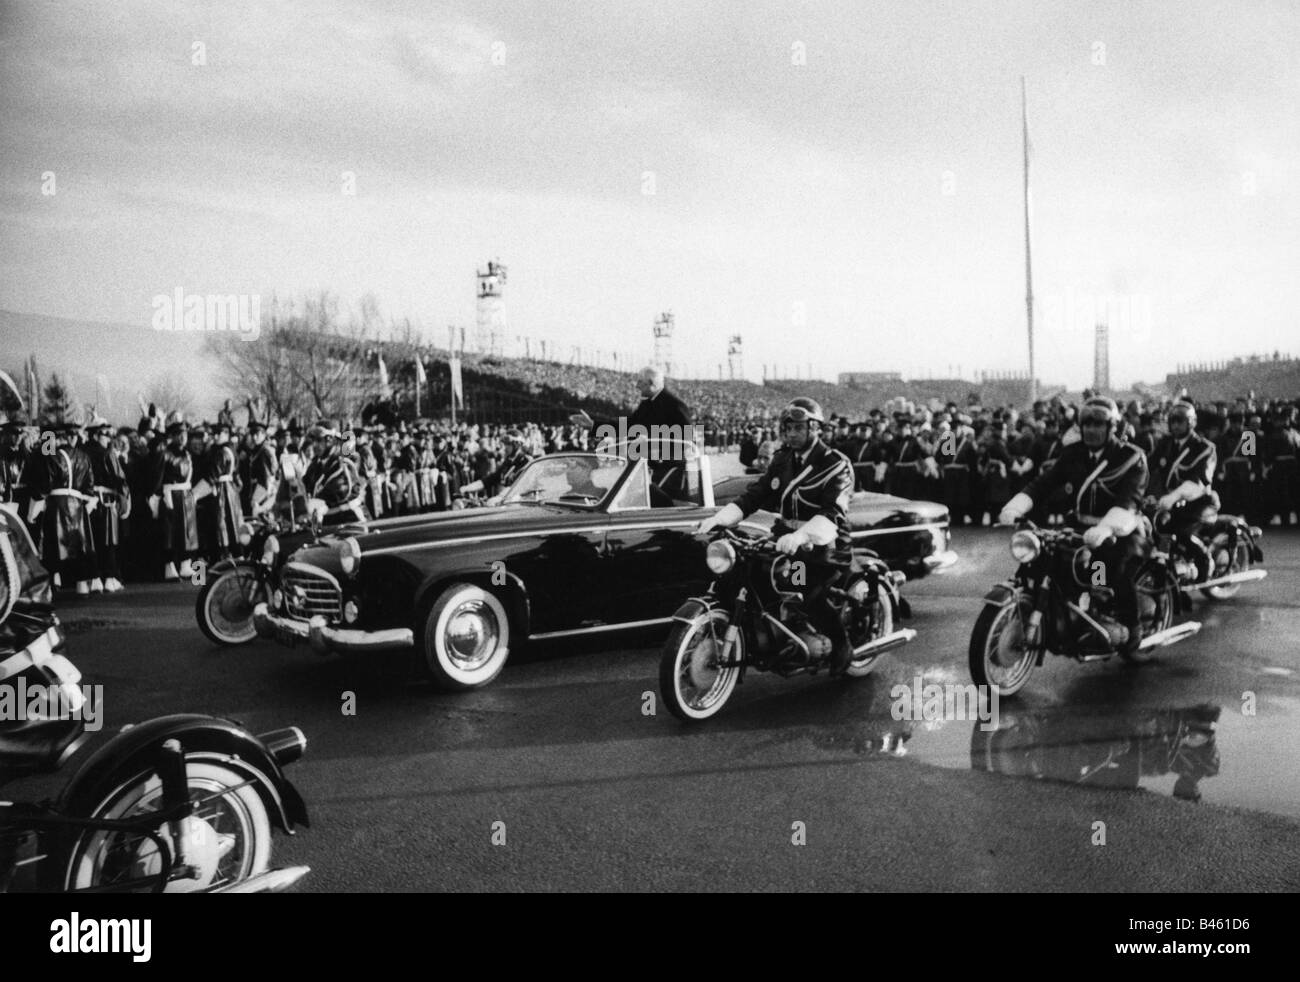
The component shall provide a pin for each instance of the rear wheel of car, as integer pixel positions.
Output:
(464, 638)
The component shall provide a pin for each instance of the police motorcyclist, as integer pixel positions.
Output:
(1182, 472)
(807, 485)
(334, 488)
(1106, 480)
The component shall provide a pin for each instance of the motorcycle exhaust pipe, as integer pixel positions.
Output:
(1170, 635)
(286, 745)
(1245, 576)
(272, 881)
(888, 643)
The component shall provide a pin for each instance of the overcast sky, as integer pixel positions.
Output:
(840, 183)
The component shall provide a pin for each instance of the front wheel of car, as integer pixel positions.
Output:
(464, 638)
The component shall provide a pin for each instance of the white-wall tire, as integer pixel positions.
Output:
(464, 638)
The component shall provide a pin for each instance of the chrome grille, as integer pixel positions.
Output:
(309, 591)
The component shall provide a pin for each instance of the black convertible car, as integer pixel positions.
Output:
(581, 543)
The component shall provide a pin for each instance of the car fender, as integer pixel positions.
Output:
(136, 749)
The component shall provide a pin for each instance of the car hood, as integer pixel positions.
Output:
(456, 526)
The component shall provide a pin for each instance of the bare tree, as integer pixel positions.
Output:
(171, 393)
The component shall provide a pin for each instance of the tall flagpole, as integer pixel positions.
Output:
(1029, 269)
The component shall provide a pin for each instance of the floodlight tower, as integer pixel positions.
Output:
(491, 324)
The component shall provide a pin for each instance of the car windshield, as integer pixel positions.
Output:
(580, 479)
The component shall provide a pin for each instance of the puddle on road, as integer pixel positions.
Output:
(1205, 752)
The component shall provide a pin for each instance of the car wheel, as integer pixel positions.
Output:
(465, 638)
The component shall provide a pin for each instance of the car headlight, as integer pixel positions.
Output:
(720, 556)
(245, 534)
(350, 556)
(351, 612)
(270, 550)
(1025, 546)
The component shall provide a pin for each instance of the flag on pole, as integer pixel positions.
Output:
(457, 386)
(384, 391)
(103, 393)
(420, 377)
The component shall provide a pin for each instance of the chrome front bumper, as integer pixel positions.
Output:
(316, 632)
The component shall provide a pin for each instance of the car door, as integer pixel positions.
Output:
(652, 560)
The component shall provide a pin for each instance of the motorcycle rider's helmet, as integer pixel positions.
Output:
(1100, 409)
(1184, 410)
(802, 410)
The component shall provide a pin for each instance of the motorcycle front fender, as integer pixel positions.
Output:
(694, 608)
(1002, 594)
(139, 748)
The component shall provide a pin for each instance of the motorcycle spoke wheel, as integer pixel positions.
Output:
(226, 611)
(1155, 602)
(1001, 660)
(1227, 559)
(695, 684)
(879, 612)
(226, 840)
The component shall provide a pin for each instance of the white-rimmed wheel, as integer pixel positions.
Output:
(692, 679)
(1228, 558)
(999, 657)
(1157, 600)
(224, 607)
(465, 638)
(227, 839)
(873, 619)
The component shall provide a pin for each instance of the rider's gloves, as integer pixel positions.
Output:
(1014, 508)
(1187, 491)
(1097, 535)
(723, 518)
(792, 542)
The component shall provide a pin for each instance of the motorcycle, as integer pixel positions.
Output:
(234, 586)
(1216, 561)
(1047, 606)
(1048, 746)
(181, 803)
(740, 623)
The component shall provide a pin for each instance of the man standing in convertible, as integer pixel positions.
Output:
(807, 485)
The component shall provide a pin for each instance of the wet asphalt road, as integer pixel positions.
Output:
(555, 777)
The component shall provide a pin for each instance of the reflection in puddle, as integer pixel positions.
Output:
(1131, 751)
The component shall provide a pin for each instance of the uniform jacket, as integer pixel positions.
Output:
(1117, 479)
(1172, 464)
(798, 487)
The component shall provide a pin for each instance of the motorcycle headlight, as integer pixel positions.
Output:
(270, 550)
(1209, 515)
(350, 556)
(1025, 546)
(245, 534)
(720, 556)
(277, 599)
